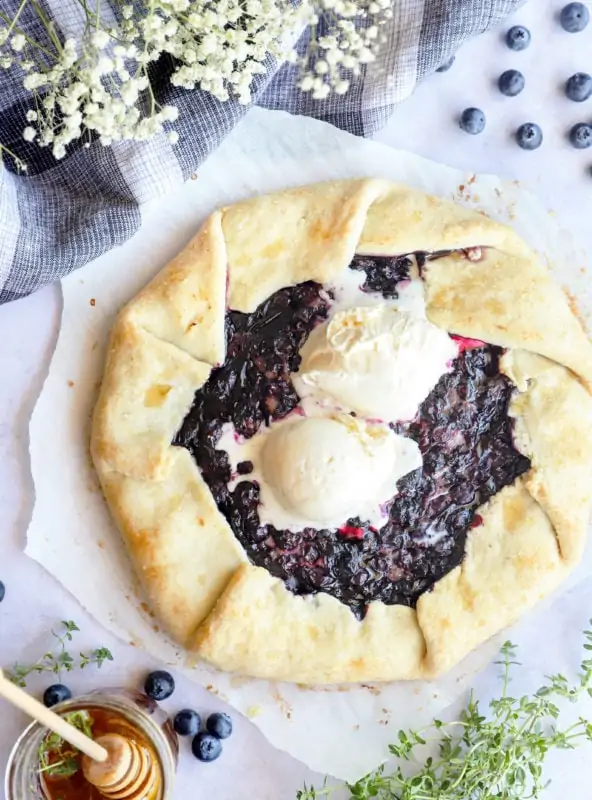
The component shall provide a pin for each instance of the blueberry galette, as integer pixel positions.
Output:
(347, 434)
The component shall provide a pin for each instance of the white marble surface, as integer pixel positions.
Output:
(425, 124)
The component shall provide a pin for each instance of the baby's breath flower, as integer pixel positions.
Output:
(170, 113)
(99, 82)
(321, 92)
(18, 42)
(307, 83)
(34, 81)
(365, 55)
(99, 39)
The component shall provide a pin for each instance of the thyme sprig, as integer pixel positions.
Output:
(480, 757)
(58, 659)
(57, 758)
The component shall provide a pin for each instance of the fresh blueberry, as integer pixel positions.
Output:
(529, 136)
(187, 722)
(511, 82)
(574, 17)
(2, 591)
(581, 135)
(219, 725)
(518, 37)
(472, 120)
(579, 87)
(159, 685)
(206, 747)
(56, 694)
(446, 65)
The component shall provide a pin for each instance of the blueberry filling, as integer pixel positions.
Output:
(382, 274)
(462, 428)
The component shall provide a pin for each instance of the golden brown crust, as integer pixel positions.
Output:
(507, 299)
(162, 349)
(511, 561)
(311, 233)
(553, 418)
(305, 234)
(259, 628)
(182, 548)
(405, 220)
(185, 303)
(147, 389)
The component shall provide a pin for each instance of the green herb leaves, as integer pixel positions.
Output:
(59, 660)
(479, 757)
(59, 759)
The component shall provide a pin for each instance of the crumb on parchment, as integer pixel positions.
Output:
(374, 690)
(285, 707)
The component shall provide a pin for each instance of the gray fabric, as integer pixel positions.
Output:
(60, 215)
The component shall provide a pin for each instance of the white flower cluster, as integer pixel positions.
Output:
(100, 86)
(219, 46)
(348, 46)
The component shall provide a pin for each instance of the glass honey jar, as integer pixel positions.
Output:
(34, 772)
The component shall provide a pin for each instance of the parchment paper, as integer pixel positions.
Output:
(343, 731)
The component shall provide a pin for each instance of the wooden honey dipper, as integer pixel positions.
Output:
(129, 772)
(119, 768)
(49, 719)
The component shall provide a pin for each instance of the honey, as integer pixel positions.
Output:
(75, 786)
(43, 767)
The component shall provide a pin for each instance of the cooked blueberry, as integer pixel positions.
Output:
(518, 37)
(462, 429)
(2, 591)
(511, 82)
(383, 274)
(472, 120)
(206, 747)
(57, 693)
(446, 65)
(159, 685)
(529, 136)
(581, 135)
(574, 17)
(244, 467)
(219, 725)
(187, 722)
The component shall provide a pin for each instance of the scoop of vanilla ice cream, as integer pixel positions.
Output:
(324, 470)
(375, 360)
